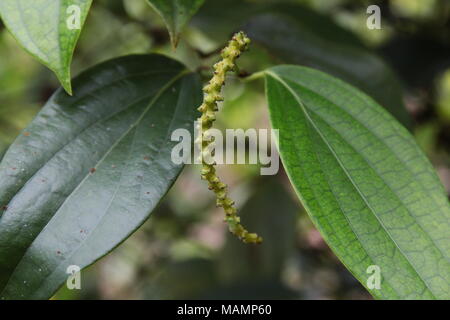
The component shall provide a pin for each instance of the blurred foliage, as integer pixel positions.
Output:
(183, 251)
(420, 9)
(443, 96)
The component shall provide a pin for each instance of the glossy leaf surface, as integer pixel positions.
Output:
(90, 169)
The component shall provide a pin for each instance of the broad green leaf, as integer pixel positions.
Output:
(365, 183)
(176, 14)
(299, 36)
(48, 29)
(90, 169)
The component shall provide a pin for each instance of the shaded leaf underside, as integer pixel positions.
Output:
(363, 180)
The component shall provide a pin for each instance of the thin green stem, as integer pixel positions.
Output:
(253, 76)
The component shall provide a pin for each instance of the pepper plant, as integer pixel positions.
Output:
(96, 161)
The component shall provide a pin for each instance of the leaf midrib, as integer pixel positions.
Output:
(297, 98)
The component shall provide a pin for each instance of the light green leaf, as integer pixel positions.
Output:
(48, 29)
(90, 169)
(176, 14)
(365, 183)
(296, 35)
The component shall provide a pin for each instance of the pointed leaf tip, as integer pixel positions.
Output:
(48, 30)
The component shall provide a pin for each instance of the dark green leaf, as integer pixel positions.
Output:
(176, 14)
(365, 183)
(42, 28)
(219, 19)
(306, 38)
(90, 169)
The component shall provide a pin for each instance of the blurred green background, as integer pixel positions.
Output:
(184, 250)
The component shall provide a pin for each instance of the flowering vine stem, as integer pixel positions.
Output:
(238, 44)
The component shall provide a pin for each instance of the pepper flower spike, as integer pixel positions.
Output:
(238, 44)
